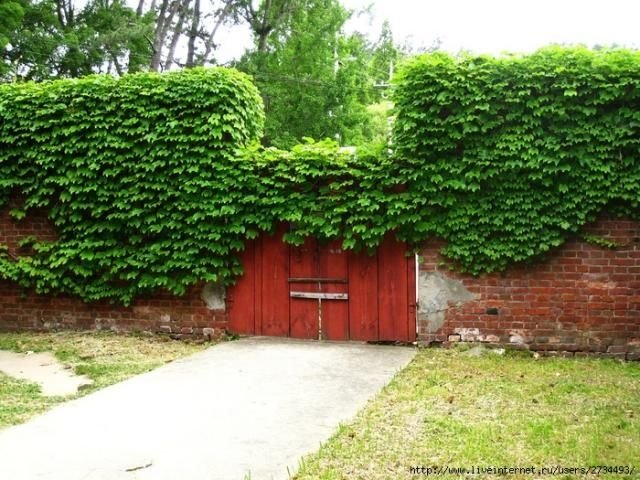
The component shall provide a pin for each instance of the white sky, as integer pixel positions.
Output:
(494, 26)
(491, 26)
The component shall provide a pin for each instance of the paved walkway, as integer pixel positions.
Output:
(241, 410)
(44, 369)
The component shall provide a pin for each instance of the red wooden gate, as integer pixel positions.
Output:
(319, 291)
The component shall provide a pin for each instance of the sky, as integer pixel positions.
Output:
(493, 26)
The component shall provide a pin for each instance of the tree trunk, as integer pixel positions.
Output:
(264, 28)
(184, 9)
(193, 34)
(163, 24)
(209, 45)
(64, 10)
(157, 37)
(117, 65)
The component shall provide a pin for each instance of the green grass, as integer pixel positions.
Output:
(449, 408)
(106, 358)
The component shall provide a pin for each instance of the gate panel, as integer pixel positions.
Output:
(241, 298)
(392, 291)
(303, 312)
(333, 265)
(412, 297)
(273, 317)
(363, 300)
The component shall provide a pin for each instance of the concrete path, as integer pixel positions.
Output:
(241, 410)
(44, 369)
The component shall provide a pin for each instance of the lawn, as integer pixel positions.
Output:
(106, 358)
(449, 408)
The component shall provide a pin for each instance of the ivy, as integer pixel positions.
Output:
(157, 181)
(505, 158)
(599, 241)
(137, 176)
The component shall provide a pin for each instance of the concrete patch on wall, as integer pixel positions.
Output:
(213, 294)
(472, 335)
(467, 334)
(104, 324)
(435, 293)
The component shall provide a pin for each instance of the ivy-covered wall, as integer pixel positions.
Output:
(505, 158)
(585, 297)
(154, 182)
(136, 176)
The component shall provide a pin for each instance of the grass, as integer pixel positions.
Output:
(104, 357)
(451, 409)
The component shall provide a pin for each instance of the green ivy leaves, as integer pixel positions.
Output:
(156, 181)
(136, 174)
(514, 154)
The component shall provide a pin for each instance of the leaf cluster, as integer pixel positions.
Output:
(506, 157)
(157, 181)
(137, 175)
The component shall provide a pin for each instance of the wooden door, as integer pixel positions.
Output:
(318, 291)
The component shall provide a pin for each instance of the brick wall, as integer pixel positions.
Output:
(583, 298)
(23, 310)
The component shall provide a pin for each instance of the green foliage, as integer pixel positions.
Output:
(46, 42)
(384, 60)
(139, 177)
(600, 241)
(35, 44)
(157, 181)
(11, 13)
(314, 80)
(324, 192)
(352, 92)
(505, 158)
(112, 32)
(380, 122)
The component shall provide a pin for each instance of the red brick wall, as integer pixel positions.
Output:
(583, 298)
(23, 310)
(11, 231)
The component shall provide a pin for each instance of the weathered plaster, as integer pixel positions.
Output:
(213, 294)
(435, 293)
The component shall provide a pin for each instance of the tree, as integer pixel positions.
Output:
(114, 36)
(267, 17)
(384, 60)
(35, 46)
(193, 34)
(353, 92)
(164, 21)
(315, 80)
(189, 26)
(11, 14)
(312, 77)
(177, 33)
(57, 39)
